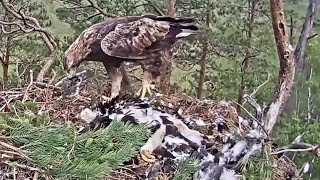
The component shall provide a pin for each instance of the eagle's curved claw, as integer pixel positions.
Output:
(106, 99)
(144, 89)
(147, 156)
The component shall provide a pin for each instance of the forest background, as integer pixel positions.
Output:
(234, 55)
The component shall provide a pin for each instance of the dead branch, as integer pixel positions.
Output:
(298, 147)
(253, 94)
(287, 65)
(312, 36)
(93, 5)
(28, 24)
(305, 33)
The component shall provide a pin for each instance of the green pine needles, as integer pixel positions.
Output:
(186, 169)
(64, 154)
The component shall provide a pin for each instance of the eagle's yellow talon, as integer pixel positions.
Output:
(144, 89)
(106, 99)
(147, 156)
(210, 137)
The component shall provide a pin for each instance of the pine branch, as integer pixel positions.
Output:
(186, 169)
(62, 153)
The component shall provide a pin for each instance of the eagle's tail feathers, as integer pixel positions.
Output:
(186, 32)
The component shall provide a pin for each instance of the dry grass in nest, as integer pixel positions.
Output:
(284, 168)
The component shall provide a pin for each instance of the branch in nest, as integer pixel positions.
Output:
(299, 147)
(256, 106)
(254, 118)
(21, 166)
(45, 85)
(30, 84)
(15, 149)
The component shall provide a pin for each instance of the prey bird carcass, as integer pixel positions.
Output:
(176, 138)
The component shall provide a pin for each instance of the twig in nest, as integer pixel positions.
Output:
(256, 106)
(21, 166)
(18, 150)
(6, 103)
(41, 84)
(255, 119)
(10, 152)
(29, 86)
(36, 175)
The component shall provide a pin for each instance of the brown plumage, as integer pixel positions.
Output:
(139, 39)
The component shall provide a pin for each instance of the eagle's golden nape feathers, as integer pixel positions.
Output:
(146, 85)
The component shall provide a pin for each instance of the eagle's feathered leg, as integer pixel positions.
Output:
(146, 85)
(116, 79)
(125, 83)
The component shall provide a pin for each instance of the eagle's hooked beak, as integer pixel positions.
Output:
(68, 67)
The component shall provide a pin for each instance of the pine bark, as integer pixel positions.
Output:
(287, 65)
(166, 75)
(203, 58)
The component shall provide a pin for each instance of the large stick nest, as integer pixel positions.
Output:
(65, 108)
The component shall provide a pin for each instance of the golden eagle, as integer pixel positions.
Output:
(138, 39)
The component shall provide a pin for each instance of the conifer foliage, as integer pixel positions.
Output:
(65, 154)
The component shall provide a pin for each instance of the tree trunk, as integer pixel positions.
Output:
(203, 57)
(5, 63)
(166, 75)
(5, 75)
(247, 60)
(202, 69)
(299, 51)
(171, 9)
(287, 66)
(305, 33)
(53, 47)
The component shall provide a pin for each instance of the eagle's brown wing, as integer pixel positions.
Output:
(137, 39)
